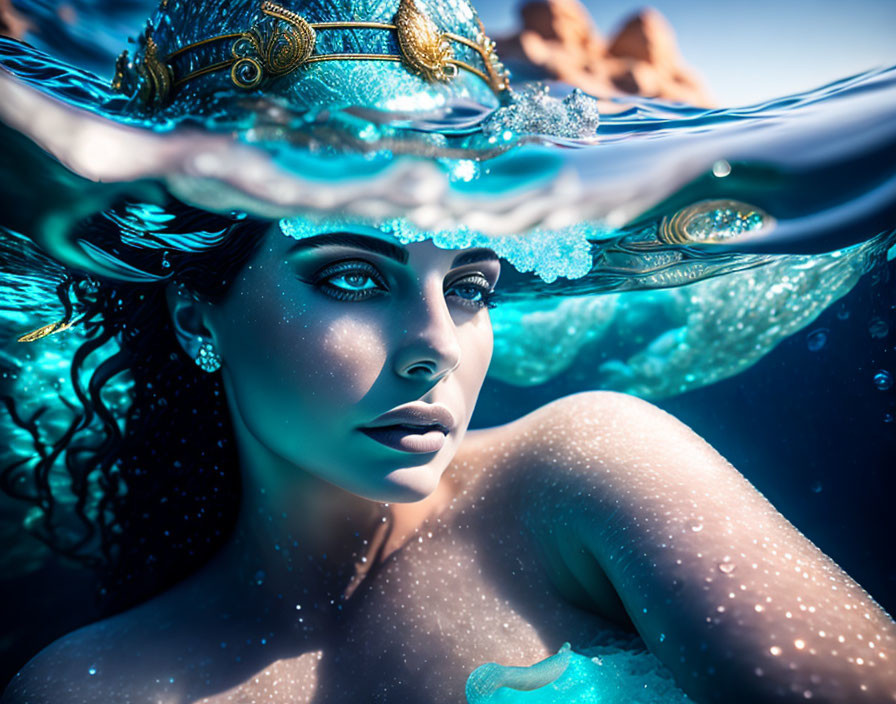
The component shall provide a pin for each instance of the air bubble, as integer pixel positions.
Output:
(883, 380)
(721, 169)
(878, 328)
(817, 339)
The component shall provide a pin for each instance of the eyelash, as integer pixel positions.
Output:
(356, 267)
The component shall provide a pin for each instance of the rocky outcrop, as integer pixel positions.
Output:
(559, 41)
(12, 24)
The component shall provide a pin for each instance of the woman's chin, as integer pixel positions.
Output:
(410, 484)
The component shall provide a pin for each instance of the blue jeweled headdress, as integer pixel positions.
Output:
(193, 50)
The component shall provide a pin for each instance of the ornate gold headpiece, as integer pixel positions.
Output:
(273, 49)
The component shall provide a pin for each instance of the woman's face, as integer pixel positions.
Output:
(321, 337)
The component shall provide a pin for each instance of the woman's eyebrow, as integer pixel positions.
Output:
(474, 255)
(351, 239)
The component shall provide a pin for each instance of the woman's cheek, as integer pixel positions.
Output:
(332, 362)
(477, 347)
(356, 354)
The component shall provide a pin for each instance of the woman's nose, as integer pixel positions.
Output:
(430, 349)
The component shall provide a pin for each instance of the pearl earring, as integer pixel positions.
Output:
(208, 359)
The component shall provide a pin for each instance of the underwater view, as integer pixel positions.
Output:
(235, 234)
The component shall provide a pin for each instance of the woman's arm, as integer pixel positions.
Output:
(733, 599)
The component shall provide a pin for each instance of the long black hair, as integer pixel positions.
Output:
(165, 467)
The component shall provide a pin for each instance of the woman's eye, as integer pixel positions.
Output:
(353, 282)
(350, 281)
(474, 292)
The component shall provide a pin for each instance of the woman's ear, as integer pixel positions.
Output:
(188, 318)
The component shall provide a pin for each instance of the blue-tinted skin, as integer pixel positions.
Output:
(358, 572)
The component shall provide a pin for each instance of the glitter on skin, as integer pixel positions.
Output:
(571, 521)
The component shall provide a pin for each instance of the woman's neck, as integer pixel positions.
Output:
(299, 542)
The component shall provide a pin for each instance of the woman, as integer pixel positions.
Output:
(373, 549)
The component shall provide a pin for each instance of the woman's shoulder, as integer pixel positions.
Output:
(563, 444)
(587, 422)
(66, 666)
(105, 661)
(566, 452)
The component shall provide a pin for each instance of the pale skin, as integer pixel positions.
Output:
(362, 573)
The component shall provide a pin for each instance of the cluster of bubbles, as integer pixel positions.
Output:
(550, 254)
(727, 221)
(534, 111)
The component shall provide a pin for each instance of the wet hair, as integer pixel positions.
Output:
(168, 477)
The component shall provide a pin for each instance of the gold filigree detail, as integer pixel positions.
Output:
(714, 221)
(156, 74)
(151, 76)
(423, 46)
(265, 51)
(46, 330)
(273, 10)
(121, 72)
(498, 75)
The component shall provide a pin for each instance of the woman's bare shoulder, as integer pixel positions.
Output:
(558, 450)
(68, 665)
(587, 424)
(109, 660)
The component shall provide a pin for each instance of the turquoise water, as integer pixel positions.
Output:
(716, 234)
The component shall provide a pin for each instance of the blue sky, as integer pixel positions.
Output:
(752, 51)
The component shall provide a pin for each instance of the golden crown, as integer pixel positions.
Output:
(274, 49)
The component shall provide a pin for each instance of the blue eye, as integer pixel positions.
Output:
(473, 292)
(359, 280)
(353, 280)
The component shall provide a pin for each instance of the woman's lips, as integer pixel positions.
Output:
(407, 438)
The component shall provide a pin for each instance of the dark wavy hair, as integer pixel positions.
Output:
(169, 487)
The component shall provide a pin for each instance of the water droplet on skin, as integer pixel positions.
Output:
(775, 650)
(877, 328)
(697, 527)
(817, 339)
(727, 567)
(883, 380)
